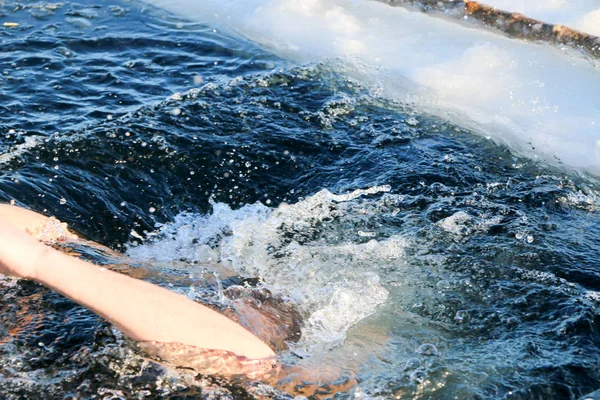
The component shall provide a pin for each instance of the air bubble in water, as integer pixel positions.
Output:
(418, 376)
(428, 349)
(462, 317)
(412, 364)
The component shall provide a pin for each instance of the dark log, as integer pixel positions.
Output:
(513, 25)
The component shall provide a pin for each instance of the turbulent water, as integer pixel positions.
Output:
(429, 261)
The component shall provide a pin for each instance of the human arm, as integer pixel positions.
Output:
(142, 311)
(36, 225)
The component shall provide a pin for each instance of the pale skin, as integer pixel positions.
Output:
(149, 314)
(142, 311)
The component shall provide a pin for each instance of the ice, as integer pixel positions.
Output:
(539, 100)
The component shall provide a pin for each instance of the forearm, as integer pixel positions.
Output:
(143, 311)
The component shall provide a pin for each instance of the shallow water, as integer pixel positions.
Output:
(429, 261)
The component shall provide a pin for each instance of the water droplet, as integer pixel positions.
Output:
(519, 235)
(152, 209)
(412, 121)
(529, 239)
(63, 200)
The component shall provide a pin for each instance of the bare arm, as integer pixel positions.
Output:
(37, 225)
(143, 311)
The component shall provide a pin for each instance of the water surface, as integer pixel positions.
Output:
(428, 260)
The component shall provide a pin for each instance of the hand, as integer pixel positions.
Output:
(47, 229)
(19, 229)
(19, 252)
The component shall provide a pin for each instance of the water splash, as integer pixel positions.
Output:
(298, 250)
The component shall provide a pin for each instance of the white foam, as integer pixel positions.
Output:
(20, 149)
(297, 251)
(462, 224)
(537, 99)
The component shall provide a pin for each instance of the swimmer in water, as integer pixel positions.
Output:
(170, 326)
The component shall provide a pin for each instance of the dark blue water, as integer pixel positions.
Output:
(115, 117)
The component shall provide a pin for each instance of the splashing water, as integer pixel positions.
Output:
(474, 274)
(296, 251)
